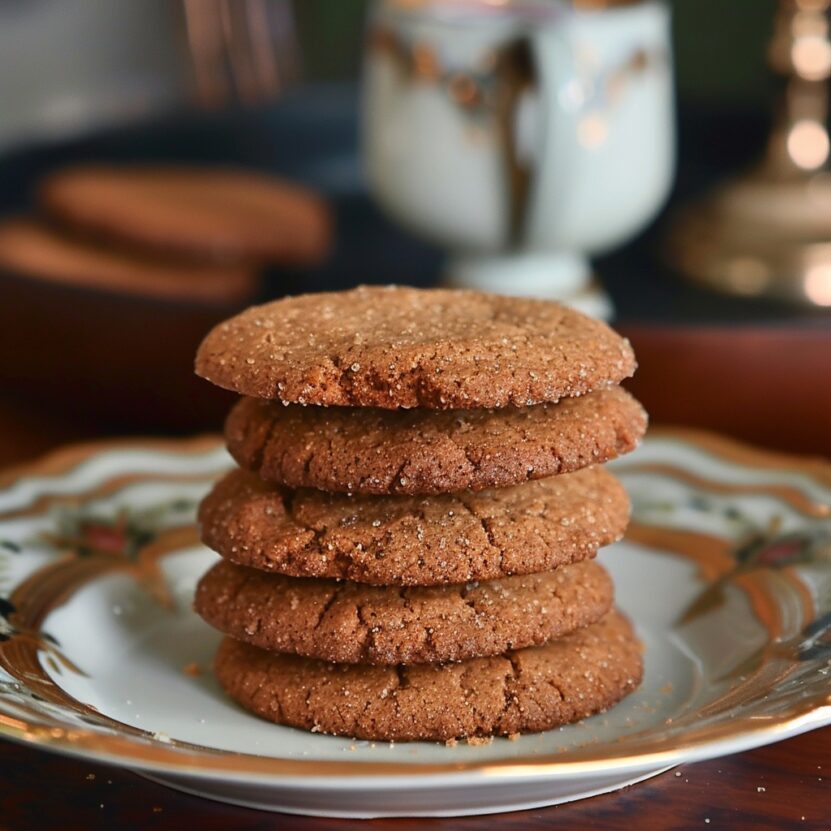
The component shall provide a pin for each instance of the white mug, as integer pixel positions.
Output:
(523, 135)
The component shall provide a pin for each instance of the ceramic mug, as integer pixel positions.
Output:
(519, 132)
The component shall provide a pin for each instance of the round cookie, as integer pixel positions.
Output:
(208, 213)
(528, 690)
(39, 252)
(353, 623)
(400, 540)
(352, 450)
(394, 347)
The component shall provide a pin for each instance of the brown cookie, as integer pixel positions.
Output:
(399, 540)
(524, 691)
(352, 450)
(208, 213)
(397, 347)
(37, 251)
(353, 623)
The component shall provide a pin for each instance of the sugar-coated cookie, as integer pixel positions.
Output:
(359, 450)
(528, 690)
(397, 347)
(417, 540)
(358, 624)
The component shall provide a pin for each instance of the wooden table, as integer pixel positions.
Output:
(784, 786)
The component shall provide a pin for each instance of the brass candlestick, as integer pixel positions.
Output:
(768, 233)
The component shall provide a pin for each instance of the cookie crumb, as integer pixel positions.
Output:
(451, 742)
(512, 737)
(477, 741)
(192, 669)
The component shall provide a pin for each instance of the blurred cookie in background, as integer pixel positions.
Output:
(35, 250)
(106, 291)
(212, 213)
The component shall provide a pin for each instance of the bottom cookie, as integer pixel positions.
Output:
(525, 691)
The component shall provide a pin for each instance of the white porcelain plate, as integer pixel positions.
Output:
(726, 571)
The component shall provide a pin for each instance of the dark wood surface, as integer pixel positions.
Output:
(765, 385)
(782, 786)
(771, 387)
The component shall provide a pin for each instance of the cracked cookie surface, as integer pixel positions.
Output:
(394, 346)
(349, 450)
(414, 540)
(358, 624)
(528, 690)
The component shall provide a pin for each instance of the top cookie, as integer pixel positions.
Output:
(397, 347)
(213, 213)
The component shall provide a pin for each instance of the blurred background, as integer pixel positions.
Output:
(718, 275)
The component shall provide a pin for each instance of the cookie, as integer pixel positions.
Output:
(35, 250)
(528, 690)
(397, 347)
(350, 450)
(400, 540)
(215, 213)
(353, 623)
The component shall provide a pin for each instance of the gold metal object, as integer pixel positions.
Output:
(768, 233)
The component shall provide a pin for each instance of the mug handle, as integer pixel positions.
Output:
(554, 146)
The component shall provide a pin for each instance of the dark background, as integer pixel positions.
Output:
(750, 368)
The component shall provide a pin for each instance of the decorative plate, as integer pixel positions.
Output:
(726, 571)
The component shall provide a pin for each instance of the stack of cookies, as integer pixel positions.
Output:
(408, 544)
